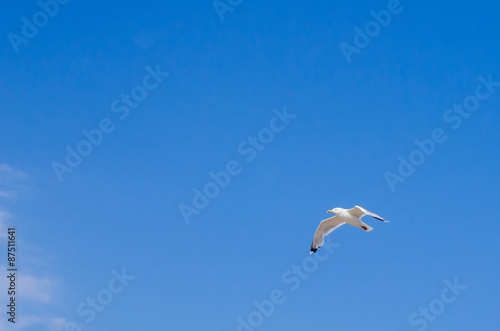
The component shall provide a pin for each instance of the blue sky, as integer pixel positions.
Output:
(350, 124)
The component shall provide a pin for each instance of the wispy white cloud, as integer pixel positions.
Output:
(3, 228)
(28, 321)
(8, 194)
(56, 324)
(9, 174)
(5, 167)
(35, 291)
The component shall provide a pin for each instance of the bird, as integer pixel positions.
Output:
(350, 216)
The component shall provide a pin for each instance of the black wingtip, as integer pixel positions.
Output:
(313, 250)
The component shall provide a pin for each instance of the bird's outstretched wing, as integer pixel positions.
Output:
(324, 228)
(360, 212)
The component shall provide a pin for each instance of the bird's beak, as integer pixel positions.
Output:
(329, 211)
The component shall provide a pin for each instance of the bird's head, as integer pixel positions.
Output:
(335, 211)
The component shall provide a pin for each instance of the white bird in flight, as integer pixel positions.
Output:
(350, 216)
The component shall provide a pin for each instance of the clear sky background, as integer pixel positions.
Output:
(120, 207)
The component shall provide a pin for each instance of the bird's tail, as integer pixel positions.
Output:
(365, 227)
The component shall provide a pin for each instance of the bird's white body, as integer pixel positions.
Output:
(342, 216)
(346, 217)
